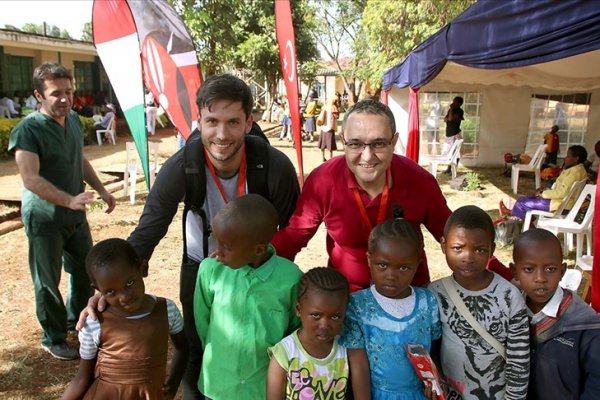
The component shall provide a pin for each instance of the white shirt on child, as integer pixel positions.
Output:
(89, 335)
(398, 308)
(550, 309)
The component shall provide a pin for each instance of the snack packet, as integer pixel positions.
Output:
(424, 367)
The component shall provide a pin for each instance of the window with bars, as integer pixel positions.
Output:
(83, 75)
(20, 73)
(568, 111)
(433, 106)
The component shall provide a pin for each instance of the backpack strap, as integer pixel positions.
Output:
(257, 160)
(195, 187)
(462, 309)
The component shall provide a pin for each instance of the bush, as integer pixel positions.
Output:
(473, 182)
(6, 126)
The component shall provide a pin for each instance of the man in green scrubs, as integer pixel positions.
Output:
(48, 149)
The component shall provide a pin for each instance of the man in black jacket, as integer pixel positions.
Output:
(225, 118)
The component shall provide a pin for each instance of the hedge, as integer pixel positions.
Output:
(6, 126)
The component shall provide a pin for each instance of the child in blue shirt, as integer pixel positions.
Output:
(391, 313)
(244, 300)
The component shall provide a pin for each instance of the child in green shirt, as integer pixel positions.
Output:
(244, 300)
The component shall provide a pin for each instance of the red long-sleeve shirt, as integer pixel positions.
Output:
(327, 196)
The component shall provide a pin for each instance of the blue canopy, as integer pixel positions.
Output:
(494, 34)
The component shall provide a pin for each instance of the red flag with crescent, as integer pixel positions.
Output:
(289, 69)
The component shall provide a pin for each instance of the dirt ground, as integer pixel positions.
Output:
(27, 372)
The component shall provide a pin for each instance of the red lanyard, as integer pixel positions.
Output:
(241, 183)
(382, 206)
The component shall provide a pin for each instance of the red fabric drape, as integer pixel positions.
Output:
(384, 96)
(287, 54)
(596, 265)
(414, 137)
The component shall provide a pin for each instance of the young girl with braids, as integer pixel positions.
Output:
(310, 363)
(391, 313)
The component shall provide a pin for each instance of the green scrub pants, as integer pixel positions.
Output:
(50, 246)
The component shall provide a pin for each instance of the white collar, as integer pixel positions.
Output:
(551, 307)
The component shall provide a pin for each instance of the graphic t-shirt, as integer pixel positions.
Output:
(309, 377)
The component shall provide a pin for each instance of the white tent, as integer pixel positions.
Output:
(505, 90)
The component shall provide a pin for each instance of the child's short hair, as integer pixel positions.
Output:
(580, 152)
(397, 228)
(536, 235)
(251, 214)
(109, 252)
(325, 280)
(470, 217)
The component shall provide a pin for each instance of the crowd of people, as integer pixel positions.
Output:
(253, 325)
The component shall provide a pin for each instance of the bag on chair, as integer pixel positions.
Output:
(507, 230)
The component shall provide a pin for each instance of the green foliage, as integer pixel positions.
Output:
(240, 34)
(6, 126)
(86, 32)
(50, 30)
(393, 28)
(338, 32)
(472, 182)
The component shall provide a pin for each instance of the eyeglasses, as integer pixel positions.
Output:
(377, 146)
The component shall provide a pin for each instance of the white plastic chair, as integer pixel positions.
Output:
(571, 279)
(568, 225)
(535, 166)
(585, 263)
(111, 130)
(133, 166)
(571, 195)
(451, 159)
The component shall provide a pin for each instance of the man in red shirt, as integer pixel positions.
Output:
(352, 194)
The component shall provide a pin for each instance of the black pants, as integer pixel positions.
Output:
(187, 284)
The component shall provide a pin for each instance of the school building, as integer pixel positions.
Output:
(21, 52)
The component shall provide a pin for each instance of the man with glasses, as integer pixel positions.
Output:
(367, 186)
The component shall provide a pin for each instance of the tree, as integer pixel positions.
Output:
(210, 23)
(86, 32)
(240, 34)
(46, 29)
(338, 32)
(393, 29)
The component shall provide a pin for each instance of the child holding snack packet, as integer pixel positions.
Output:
(390, 314)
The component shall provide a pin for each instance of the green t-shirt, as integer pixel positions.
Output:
(240, 314)
(60, 151)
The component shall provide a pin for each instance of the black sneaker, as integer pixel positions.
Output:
(62, 351)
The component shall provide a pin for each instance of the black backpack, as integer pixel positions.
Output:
(257, 161)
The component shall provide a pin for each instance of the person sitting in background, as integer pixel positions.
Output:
(552, 142)
(104, 123)
(10, 105)
(591, 163)
(549, 199)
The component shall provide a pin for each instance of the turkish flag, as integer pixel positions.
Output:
(287, 55)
